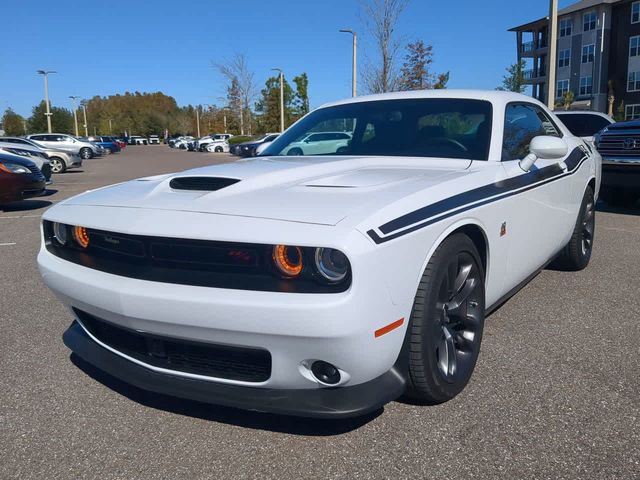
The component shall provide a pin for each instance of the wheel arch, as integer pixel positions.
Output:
(473, 229)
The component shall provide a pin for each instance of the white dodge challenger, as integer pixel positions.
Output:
(326, 285)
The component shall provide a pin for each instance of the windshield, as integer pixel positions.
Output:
(450, 128)
(584, 125)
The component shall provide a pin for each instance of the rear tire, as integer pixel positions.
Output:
(57, 165)
(577, 253)
(447, 321)
(218, 149)
(295, 152)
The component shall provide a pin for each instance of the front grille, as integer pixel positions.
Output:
(209, 184)
(202, 263)
(212, 360)
(619, 144)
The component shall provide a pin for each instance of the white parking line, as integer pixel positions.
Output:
(21, 216)
(7, 244)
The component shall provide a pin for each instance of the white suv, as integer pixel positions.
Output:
(66, 142)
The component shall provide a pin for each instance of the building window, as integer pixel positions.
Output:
(586, 85)
(634, 82)
(566, 26)
(588, 52)
(564, 58)
(589, 21)
(632, 112)
(634, 46)
(635, 12)
(563, 87)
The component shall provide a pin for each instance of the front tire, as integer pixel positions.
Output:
(57, 165)
(218, 149)
(446, 322)
(86, 153)
(577, 253)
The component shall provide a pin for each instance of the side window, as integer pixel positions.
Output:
(522, 123)
(38, 138)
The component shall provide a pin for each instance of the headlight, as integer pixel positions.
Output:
(288, 260)
(60, 233)
(13, 168)
(332, 264)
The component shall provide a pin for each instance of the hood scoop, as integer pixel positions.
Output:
(202, 184)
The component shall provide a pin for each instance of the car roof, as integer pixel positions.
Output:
(560, 113)
(493, 96)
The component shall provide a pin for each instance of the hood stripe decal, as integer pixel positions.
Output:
(463, 202)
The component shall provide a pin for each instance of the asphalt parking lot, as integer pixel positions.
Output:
(556, 393)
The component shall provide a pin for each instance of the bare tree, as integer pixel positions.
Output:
(380, 18)
(236, 71)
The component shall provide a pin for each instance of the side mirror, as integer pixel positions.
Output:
(545, 147)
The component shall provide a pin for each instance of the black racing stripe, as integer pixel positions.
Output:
(480, 193)
(497, 191)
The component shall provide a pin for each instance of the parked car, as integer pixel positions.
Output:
(107, 143)
(183, 142)
(338, 282)
(35, 154)
(20, 178)
(248, 149)
(122, 143)
(263, 146)
(320, 143)
(217, 146)
(154, 140)
(60, 160)
(203, 143)
(137, 140)
(619, 145)
(66, 142)
(584, 124)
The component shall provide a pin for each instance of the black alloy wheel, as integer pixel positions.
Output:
(447, 322)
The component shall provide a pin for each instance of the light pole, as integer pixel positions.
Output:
(75, 112)
(281, 98)
(354, 79)
(224, 113)
(84, 113)
(45, 74)
(198, 119)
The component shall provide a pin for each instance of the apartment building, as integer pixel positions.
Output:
(598, 55)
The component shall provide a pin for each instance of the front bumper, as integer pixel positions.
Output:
(341, 402)
(621, 174)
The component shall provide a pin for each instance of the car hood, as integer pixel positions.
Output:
(319, 190)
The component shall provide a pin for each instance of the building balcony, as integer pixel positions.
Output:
(533, 75)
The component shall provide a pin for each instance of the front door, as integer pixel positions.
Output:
(540, 215)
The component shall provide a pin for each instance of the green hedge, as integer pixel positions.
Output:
(239, 139)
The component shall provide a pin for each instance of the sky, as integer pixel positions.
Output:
(103, 48)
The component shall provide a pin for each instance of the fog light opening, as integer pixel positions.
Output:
(325, 372)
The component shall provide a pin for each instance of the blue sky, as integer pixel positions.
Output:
(101, 48)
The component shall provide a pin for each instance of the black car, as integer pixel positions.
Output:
(248, 149)
(19, 179)
(619, 145)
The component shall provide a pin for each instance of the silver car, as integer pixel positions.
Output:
(68, 143)
(60, 160)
